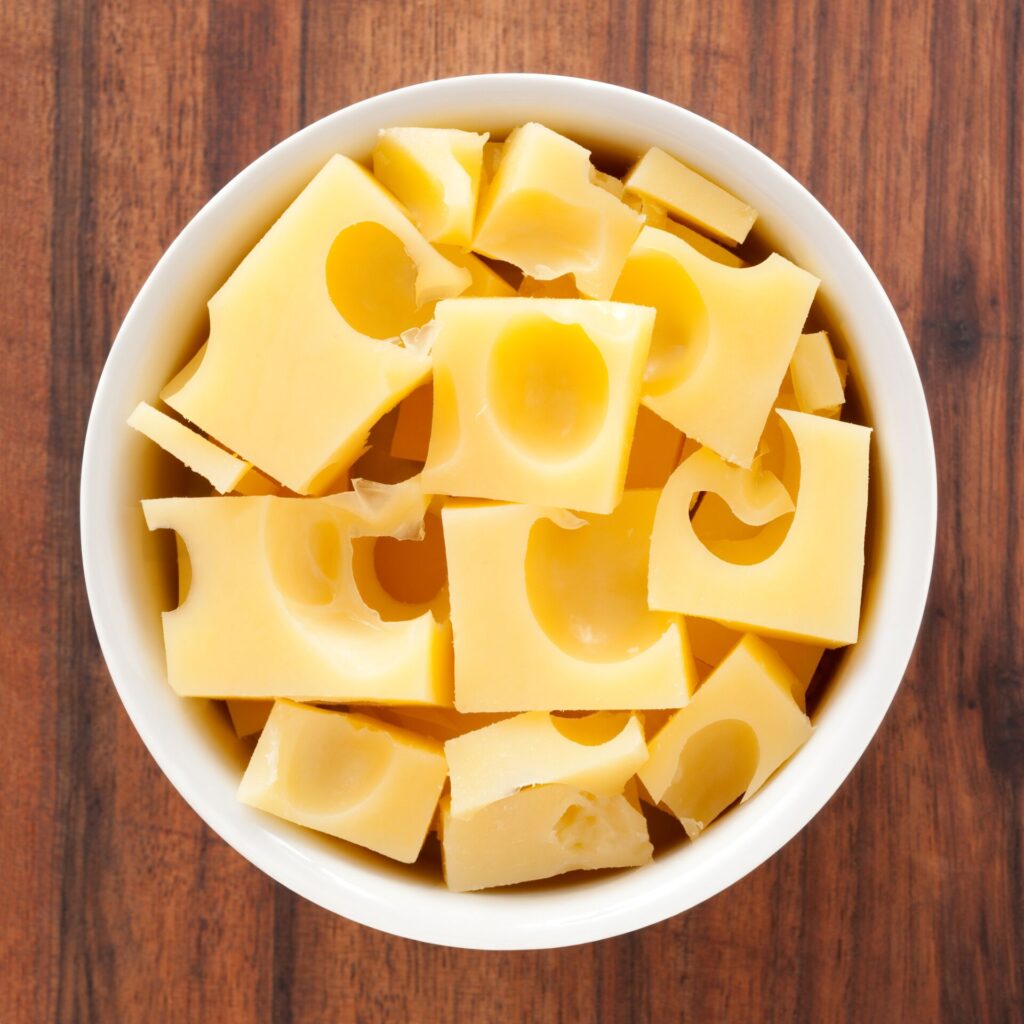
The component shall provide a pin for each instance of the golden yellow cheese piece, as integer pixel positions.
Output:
(808, 587)
(485, 281)
(737, 729)
(539, 833)
(598, 753)
(559, 288)
(545, 214)
(412, 428)
(347, 775)
(688, 195)
(659, 218)
(311, 338)
(549, 611)
(248, 717)
(435, 172)
(535, 399)
(655, 452)
(275, 607)
(815, 375)
(439, 723)
(723, 338)
(201, 455)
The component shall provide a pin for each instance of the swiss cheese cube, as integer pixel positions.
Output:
(817, 379)
(347, 775)
(299, 364)
(535, 399)
(549, 611)
(545, 213)
(275, 609)
(658, 218)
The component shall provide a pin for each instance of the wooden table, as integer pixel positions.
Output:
(903, 899)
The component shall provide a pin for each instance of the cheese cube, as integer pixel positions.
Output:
(202, 456)
(723, 338)
(435, 172)
(658, 218)
(737, 729)
(275, 607)
(539, 833)
(485, 281)
(299, 365)
(655, 452)
(346, 775)
(815, 375)
(549, 611)
(808, 587)
(544, 213)
(702, 204)
(535, 399)
(599, 753)
(249, 716)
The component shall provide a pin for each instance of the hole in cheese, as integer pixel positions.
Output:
(304, 553)
(590, 730)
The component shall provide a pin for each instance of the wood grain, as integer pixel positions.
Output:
(903, 900)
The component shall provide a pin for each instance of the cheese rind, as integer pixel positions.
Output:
(347, 775)
(298, 364)
(539, 833)
(737, 729)
(598, 753)
(549, 611)
(691, 197)
(818, 566)
(534, 400)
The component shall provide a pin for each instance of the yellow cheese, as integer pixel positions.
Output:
(255, 483)
(412, 428)
(545, 214)
(815, 375)
(491, 158)
(737, 729)
(202, 456)
(299, 363)
(249, 716)
(550, 613)
(655, 451)
(722, 341)
(485, 281)
(658, 218)
(439, 723)
(599, 753)
(558, 288)
(691, 197)
(539, 833)
(808, 588)
(275, 607)
(347, 775)
(535, 399)
(435, 172)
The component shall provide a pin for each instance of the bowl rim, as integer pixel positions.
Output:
(484, 921)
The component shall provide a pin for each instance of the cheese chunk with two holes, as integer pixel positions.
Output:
(691, 197)
(550, 612)
(539, 833)
(545, 214)
(202, 456)
(809, 587)
(598, 753)
(535, 399)
(275, 609)
(298, 366)
(435, 172)
(249, 716)
(739, 727)
(816, 376)
(347, 775)
(723, 338)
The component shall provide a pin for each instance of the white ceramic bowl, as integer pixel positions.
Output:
(191, 740)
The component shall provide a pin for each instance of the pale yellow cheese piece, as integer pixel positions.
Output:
(275, 607)
(815, 375)
(535, 399)
(202, 456)
(737, 729)
(598, 753)
(299, 364)
(723, 338)
(539, 833)
(491, 158)
(690, 197)
(435, 172)
(347, 775)
(545, 214)
(655, 451)
(808, 588)
(249, 716)
(550, 613)
(485, 281)
(659, 218)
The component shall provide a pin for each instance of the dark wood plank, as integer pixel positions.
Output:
(903, 900)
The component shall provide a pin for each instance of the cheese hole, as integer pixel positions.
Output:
(304, 552)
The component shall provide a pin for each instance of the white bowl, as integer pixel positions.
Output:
(191, 740)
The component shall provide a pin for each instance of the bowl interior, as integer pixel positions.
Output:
(129, 582)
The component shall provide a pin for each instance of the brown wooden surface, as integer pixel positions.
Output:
(902, 901)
